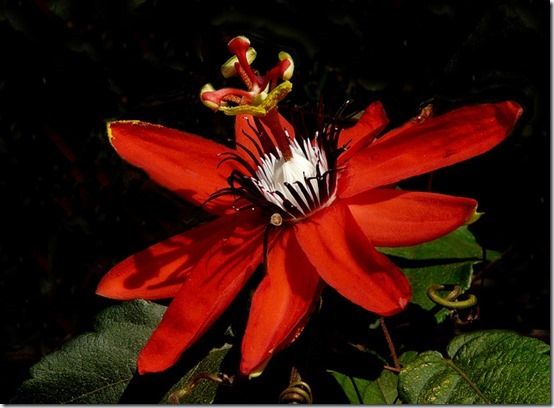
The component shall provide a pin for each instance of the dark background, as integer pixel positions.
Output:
(71, 208)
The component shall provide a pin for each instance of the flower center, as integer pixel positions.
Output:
(298, 185)
(288, 177)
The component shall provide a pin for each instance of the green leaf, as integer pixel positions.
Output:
(192, 388)
(497, 367)
(94, 368)
(445, 261)
(460, 244)
(360, 391)
(382, 390)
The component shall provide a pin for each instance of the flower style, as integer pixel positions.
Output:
(311, 208)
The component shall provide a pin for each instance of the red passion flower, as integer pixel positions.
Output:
(310, 207)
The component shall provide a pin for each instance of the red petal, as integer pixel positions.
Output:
(182, 162)
(281, 304)
(158, 271)
(392, 218)
(437, 142)
(210, 286)
(244, 134)
(371, 123)
(347, 261)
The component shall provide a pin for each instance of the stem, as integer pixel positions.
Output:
(271, 120)
(390, 344)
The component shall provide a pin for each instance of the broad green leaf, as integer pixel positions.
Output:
(447, 260)
(382, 390)
(460, 244)
(497, 367)
(94, 368)
(192, 388)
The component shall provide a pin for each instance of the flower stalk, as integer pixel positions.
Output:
(390, 344)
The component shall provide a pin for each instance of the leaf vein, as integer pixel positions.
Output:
(97, 390)
(467, 380)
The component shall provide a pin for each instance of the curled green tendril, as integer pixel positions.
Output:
(450, 300)
(453, 294)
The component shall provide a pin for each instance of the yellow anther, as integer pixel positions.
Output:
(277, 95)
(243, 110)
(268, 103)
